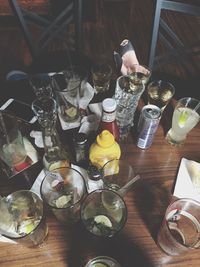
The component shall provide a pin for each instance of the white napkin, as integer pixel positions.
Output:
(91, 122)
(187, 180)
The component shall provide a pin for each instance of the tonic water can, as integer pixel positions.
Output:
(147, 125)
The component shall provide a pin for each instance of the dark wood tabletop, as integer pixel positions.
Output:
(135, 244)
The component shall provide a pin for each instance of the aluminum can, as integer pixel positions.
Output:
(147, 125)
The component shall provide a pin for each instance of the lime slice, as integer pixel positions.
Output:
(62, 201)
(183, 118)
(103, 220)
(99, 264)
(58, 164)
(29, 228)
(71, 112)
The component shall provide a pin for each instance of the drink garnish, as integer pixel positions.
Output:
(100, 264)
(183, 118)
(102, 219)
(63, 201)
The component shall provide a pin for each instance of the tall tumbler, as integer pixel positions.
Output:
(127, 95)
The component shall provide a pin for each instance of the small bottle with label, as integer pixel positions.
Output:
(108, 120)
(94, 181)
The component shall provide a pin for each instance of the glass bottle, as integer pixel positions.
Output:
(108, 120)
(54, 155)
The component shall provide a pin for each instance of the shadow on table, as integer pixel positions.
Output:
(151, 200)
(85, 246)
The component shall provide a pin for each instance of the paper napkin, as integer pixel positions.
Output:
(188, 180)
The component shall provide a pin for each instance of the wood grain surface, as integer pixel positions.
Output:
(136, 244)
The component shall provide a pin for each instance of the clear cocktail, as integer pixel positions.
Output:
(185, 117)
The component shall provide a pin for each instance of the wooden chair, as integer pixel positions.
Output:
(50, 28)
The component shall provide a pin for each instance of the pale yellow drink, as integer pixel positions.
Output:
(184, 119)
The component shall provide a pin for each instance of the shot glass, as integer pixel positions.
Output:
(67, 86)
(103, 261)
(139, 74)
(45, 109)
(160, 93)
(117, 175)
(41, 84)
(180, 229)
(185, 117)
(101, 76)
(127, 96)
(103, 213)
(22, 218)
(63, 190)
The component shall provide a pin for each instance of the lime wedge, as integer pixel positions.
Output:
(62, 201)
(103, 220)
(99, 264)
(29, 228)
(71, 112)
(183, 118)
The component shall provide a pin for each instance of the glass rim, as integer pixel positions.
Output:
(161, 82)
(107, 67)
(170, 208)
(188, 98)
(102, 258)
(74, 204)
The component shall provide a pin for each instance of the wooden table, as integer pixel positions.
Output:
(135, 245)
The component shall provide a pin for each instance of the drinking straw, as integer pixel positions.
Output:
(197, 106)
(124, 189)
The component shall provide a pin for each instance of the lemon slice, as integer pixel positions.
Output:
(183, 118)
(103, 220)
(62, 201)
(71, 112)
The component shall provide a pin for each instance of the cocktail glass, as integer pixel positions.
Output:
(139, 73)
(101, 76)
(179, 232)
(63, 190)
(185, 117)
(45, 108)
(104, 213)
(102, 261)
(12, 148)
(41, 85)
(118, 175)
(22, 218)
(160, 93)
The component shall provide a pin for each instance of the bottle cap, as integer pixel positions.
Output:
(94, 173)
(105, 139)
(80, 138)
(109, 104)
